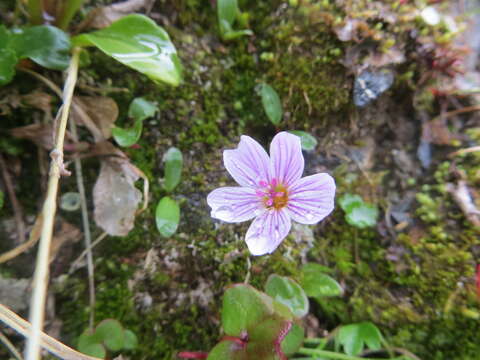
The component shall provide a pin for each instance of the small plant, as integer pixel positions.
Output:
(139, 110)
(228, 13)
(167, 215)
(108, 336)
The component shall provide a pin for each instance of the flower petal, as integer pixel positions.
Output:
(248, 163)
(267, 231)
(286, 158)
(311, 198)
(234, 204)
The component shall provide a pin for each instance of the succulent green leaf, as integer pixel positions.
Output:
(167, 216)
(129, 136)
(317, 284)
(271, 103)
(46, 45)
(141, 109)
(294, 339)
(228, 350)
(138, 42)
(289, 293)
(308, 141)
(112, 334)
(173, 160)
(354, 337)
(131, 340)
(243, 308)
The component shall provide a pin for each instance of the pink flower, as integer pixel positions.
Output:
(271, 190)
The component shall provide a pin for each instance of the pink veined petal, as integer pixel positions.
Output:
(248, 163)
(267, 231)
(311, 198)
(286, 158)
(234, 204)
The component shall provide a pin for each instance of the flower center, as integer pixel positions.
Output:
(273, 195)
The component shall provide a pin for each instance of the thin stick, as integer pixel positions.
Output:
(10, 347)
(32, 240)
(54, 346)
(17, 209)
(75, 263)
(40, 281)
(86, 228)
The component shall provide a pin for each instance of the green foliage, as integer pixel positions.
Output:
(355, 337)
(167, 216)
(358, 213)
(289, 293)
(110, 335)
(271, 103)
(227, 12)
(259, 326)
(129, 136)
(173, 160)
(47, 45)
(139, 110)
(136, 41)
(317, 284)
(309, 143)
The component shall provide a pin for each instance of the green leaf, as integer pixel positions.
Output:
(243, 307)
(2, 199)
(112, 334)
(89, 343)
(294, 339)
(233, 34)
(308, 141)
(354, 337)
(228, 350)
(167, 216)
(289, 293)
(317, 284)
(173, 168)
(227, 11)
(129, 136)
(95, 350)
(271, 103)
(138, 42)
(70, 8)
(140, 109)
(8, 60)
(46, 45)
(348, 201)
(362, 216)
(358, 213)
(131, 340)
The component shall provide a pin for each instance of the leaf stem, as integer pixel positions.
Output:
(338, 356)
(40, 281)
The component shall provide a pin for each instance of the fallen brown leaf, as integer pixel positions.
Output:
(96, 113)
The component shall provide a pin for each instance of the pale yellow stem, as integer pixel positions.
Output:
(40, 280)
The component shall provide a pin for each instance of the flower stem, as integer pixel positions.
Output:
(40, 281)
(338, 356)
